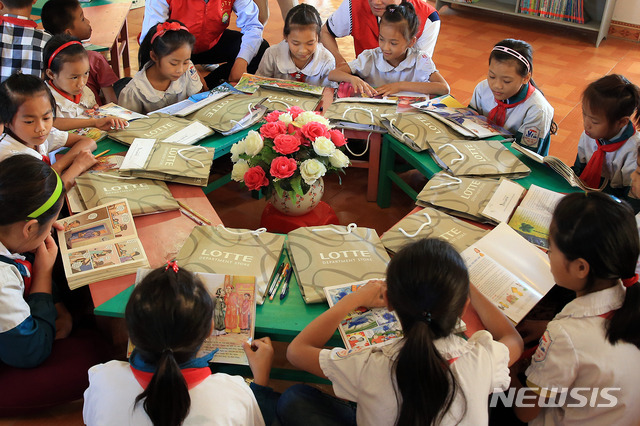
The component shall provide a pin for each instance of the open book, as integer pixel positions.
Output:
(191, 104)
(114, 110)
(99, 244)
(559, 167)
(532, 218)
(249, 83)
(509, 271)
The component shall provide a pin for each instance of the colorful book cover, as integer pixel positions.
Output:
(249, 83)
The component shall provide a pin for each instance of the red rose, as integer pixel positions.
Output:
(294, 111)
(313, 129)
(255, 178)
(273, 116)
(302, 140)
(337, 137)
(272, 129)
(286, 144)
(282, 167)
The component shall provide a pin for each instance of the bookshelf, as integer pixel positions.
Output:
(599, 12)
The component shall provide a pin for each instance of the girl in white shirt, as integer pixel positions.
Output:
(585, 370)
(430, 376)
(299, 56)
(167, 74)
(395, 66)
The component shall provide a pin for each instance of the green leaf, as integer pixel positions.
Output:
(278, 188)
(296, 184)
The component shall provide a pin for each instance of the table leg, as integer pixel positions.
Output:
(374, 167)
(387, 157)
(124, 39)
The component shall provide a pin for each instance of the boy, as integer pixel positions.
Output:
(21, 44)
(67, 17)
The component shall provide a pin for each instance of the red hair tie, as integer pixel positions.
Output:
(628, 282)
(59, 49)
(161, 29)
(173, 264)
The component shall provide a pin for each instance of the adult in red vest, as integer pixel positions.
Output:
(207, 20)
(364, 28)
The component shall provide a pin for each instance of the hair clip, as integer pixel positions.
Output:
(173, 264)
(515, 54)
(161, 29)
(427, 317)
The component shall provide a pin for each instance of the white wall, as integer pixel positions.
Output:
(627, 11)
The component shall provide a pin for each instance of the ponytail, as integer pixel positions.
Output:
(623, 325)
(166, 398)
(615, 97)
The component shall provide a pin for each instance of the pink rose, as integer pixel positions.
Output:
(286, 144)
(272, 129)
(294, 111)
(303, 141)
(337, 137)
(313, 130)
(273, 116)
(282, 167)
(255, 178)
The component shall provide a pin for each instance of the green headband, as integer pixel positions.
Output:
(55, 196)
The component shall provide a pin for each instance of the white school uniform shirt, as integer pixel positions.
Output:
(220, 399)
(575, 353)
(371, 66)
(532, 118)
(10, 146)
(14, 310)
(617, 165)
(140, 96)
(364, 377)
(69, 109)
(277, 63)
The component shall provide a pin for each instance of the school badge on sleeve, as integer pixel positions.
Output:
(543, 347)
(531, 136)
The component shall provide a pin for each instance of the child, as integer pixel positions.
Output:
(441, 378)
(299, 56)
(22, 43)
(168, 317)
(27, 110)
(38, 371)
(166, 75)
(509, 97)
(67, 71)
(67, 17)
(591, 349)
(608, 146)
(396, 65)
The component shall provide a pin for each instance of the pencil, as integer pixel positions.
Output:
(192, 211)
(102, 153)
(284, 273)
(192, 217)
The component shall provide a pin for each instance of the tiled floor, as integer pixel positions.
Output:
(564, 63)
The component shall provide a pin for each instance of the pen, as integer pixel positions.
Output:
(193, 212)
(192, 217)
(102, 153)
(276, 277)
(286, 269)
(285, 286)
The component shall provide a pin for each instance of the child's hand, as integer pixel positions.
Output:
(260, 356)
(389, 89)
(46, 255)
(84, 161)
(372, 294)
(111, 123)
(361, 86)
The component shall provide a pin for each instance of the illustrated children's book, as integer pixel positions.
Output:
(164, 128)
(90, 132)
(249, 83)
(280, 100)
(532, 218)
(347, 93)
(100, 243)
(114, 110)
(191, 104)
(103, 164)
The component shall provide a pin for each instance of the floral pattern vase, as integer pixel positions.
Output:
(299, 205)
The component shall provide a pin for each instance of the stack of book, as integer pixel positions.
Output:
(565, 10)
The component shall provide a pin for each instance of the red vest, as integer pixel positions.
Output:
(206, 21)
(364, 24)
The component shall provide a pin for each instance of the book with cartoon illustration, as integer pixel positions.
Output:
(114, 110)
(532, 218)
(249, 83)
(99, 244)
(509, 271)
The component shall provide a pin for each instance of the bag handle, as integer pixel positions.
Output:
(252, 232)
(277, 101)
(454, 181)
(427, 223)
(350, 228)
(407, 134)
(109, 175)
(455, 160)
(373, 121)
(187, 159)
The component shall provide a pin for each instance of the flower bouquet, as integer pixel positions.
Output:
(289, 153)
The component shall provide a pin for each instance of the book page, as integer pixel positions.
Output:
(116, 111)
(532, 218)
(190, 134)
(503, 201)
(543, 199)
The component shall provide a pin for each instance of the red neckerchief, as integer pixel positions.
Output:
(298, 76)
(46, 159)
(193, 376)
(498, 114)
(608, 315)
(20, 22)
(592, 172)
(26, 280)
(75, 99)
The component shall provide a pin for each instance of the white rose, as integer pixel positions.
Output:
(237, 149)
(339, 159)
(312, 169)
(253, 143)
(286, 118)
(323, 146)
(239, 169)
(309, 116)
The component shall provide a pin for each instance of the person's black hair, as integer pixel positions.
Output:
(16, 89)
(57, 15)
(602, 230)
(26, 183)
(302, 15)
(70, 53)
(405, 14)
(613, 96)
(427, 286)
(165, 44)
(520, 46)
(16, 4)
(168, 317)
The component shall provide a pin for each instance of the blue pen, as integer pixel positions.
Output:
(276, 277)
(285, 286)
(286, 269)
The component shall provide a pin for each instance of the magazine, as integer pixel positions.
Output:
(99, 244)
(532, 218)
(464, 120)
(249, 83)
